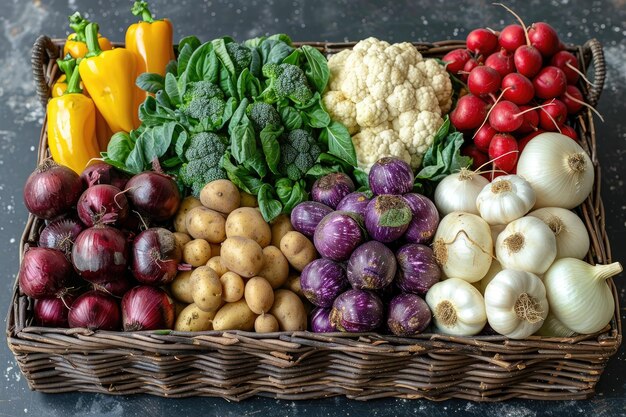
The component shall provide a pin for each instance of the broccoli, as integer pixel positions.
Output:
(204, 100)
(203, 155)
(298, 152)
(286, 81)
(262, 114)
(240, 55)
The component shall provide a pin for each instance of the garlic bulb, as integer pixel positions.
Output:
(578, 294)
(572, 239)
(559, 170)
(507, 198)
(552, 327)
(526, 244)
(458, 192)
(516, 304)
(463, 246)
(493, 271)
(458, 308)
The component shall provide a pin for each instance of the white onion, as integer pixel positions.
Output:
(526, 244)
(572, 239)
(458, 192)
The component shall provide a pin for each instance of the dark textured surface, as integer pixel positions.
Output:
(21, 118)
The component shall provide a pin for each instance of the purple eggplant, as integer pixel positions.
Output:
(338, 234)
(322, 281)
(425, 219)
(387, 217)
(417, 268)
(357, 311)
(408, 315)
(391, 175)
(306, 216)
(332, 188)
(372, 266)
(320, 321)
(355, 202)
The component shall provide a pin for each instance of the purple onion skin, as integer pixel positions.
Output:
(372, 266)
(51, 190)
(355, 202)
(155, 257)
(95, 310)
(154, 194)
(357, 311)
(408, 315)
(331, 189)
(387, 217)
(100, 253)
(60, 234)
(116, 287)
(44, 273)
(103, 173)
(338, 235)
(417, 268)
(53, 312)
(322, 281)
(391, 175)
(425, 219)
(147, 308)
(102, 203)
(307, 215)
(320, 321)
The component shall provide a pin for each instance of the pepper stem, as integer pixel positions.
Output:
(68, 66)
(141, 8)
(91, 33)
(78, 25)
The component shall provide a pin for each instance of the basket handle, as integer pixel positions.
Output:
(44, 50)
(594, 47)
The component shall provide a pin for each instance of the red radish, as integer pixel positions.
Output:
(524, 141)
(501, 61)
(479, 158)
(568, 63)
(531, 120)
(527, 60)
(512, 37)
(456, 60)
(572, 99)
(550, 83)
(569, 131)
(552, 115)
(503, 152)
(504, 117)
(483, 136)
(469, 113)
(517, 88)
(481, 41)
(469, 67)
(483, 80)
(543, 37)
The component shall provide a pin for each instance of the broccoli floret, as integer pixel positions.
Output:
(298, 152)
(203, 100)
(262, 114)
(286, 81)
(203, 157)
(240, 55)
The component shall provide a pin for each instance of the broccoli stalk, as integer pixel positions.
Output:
(203, 156)
(286, 81)
(298, 152)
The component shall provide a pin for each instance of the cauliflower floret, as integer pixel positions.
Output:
(390, 96)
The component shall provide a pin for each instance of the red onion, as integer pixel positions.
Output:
(116, 287)
(372, 266)
(424, 221)
(147, 308)
(306, 216)
(154, 194)
(338, 234)
(355, 202)
(387, 217)
(102, 203)
(61, 234)
(103, 173)
(95, 310)
(408, 315)
(322, 281)
(51, 190)
(331, 189)
(357, 311)
(100, 254)
(155, 257)
(44, 273)
(391, 175)
(53, 312)
(417, 268)
(320, 321)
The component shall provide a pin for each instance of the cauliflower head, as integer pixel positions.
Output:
(389, 97)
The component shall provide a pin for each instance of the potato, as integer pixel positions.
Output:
(298, 250)
(181, 287)
(293, 284)
(216, 249)
(197, 252)
(193, 319)
(178, 306)
(206, 289)
(234, 316)
(220, 195)
(243, 256)
(248, 200)
(259, 295)
(289, 311)
(280, 226)
(215, 263)
(248, 222)
(276, 268)
(207, 224)
(232, 287)
(181, 239)
(180, 225)
(265, 323)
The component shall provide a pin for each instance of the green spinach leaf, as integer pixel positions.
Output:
(339, 142)
(219, 46)
(150, 82)
(243, 141)
(271, 148)
(269, 206)
(290, 117)
(316, 69)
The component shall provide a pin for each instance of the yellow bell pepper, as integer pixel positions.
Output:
(109, 77)
(76, 43)
(72, 124)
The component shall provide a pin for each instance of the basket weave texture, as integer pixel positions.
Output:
(302, 365)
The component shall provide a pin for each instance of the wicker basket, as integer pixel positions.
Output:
(302, 365)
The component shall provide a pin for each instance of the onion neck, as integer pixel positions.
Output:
(556, 225)
(604, 272)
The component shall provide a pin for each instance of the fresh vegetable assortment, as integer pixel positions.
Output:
(177, 195)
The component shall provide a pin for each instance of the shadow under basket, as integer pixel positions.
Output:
(302, 365)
